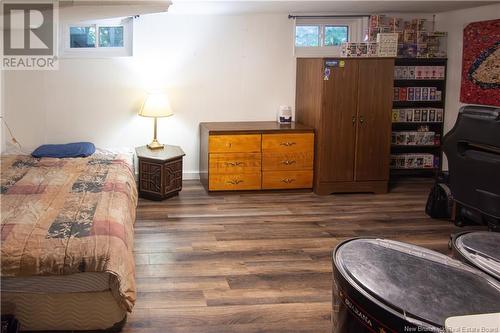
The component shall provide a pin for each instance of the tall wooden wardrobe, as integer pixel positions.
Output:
(350, 108)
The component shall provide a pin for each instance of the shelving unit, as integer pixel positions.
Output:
(410, 126)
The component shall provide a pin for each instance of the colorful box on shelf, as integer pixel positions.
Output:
(403, 94)
(419, 72)
(414, 161)
(413, 36)
(409, 115)
(413, 138)
(358, 50)
(387, 44)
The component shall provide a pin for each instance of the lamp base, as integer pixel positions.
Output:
(155, 145)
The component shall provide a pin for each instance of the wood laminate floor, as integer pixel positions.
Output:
(259, 262)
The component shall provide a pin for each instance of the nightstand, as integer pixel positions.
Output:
(160, 172)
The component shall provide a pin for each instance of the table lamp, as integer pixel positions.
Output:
(156, 105)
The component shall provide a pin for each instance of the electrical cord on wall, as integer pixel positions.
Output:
(12, 137)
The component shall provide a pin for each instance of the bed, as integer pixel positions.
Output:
(67, 241)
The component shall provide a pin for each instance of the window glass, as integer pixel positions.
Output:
(307, 35)
(82, 37)
(335, 35)
(110, 36)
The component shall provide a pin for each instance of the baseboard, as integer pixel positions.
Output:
(191, 175)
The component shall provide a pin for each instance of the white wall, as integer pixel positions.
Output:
(214, 68)
(454, 23)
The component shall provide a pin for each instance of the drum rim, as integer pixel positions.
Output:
(463, 253)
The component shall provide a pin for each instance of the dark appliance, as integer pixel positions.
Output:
(473, 151)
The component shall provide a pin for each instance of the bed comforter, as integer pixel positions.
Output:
(65, 216)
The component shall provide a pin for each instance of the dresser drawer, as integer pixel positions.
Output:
(286, 179)
(241, 143)
(283, 143)
(235, 163)
(287, 161)
(234, 182)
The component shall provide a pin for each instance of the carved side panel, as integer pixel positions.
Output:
(150, 177)
(173, 176)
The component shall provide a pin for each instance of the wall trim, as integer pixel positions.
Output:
(191, 175)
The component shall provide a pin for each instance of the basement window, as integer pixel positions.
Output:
(104, 38)
(335, 35)
(82, 37)
(324, 36)
(320, 35)
(307, 36)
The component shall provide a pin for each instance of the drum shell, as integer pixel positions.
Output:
(355, 311)
(356, 308)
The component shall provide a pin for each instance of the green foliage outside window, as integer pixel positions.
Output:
(335, 35)
(110, 36)
(307, 36)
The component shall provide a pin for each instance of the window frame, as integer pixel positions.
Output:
(355, 30)
(66, 51)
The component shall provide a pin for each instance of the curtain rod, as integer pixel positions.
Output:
(326, 16)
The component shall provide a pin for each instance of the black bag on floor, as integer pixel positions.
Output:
(439, 204)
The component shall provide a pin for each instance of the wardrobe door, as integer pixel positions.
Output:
(374, 119)
(338, 124)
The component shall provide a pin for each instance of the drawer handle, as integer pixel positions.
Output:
(235, 181)
(234, 164)
(287, 144)
(288, 162)
(288, 180)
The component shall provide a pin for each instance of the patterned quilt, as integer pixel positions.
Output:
(65, 216)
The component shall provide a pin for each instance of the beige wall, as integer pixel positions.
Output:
(215, 68)
(454, 22)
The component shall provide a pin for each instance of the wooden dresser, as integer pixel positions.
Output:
(256, 156)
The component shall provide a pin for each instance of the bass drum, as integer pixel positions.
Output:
(387, 286)
(480, 249)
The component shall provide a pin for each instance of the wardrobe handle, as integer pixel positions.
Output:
(361, 119)
(235, 181)
(288, 162)
(288, 180)
(287, 144)
(353, 120)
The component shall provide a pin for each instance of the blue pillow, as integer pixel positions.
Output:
(75, 149)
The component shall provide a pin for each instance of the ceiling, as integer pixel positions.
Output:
(304, 6)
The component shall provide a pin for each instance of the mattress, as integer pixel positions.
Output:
(65, 311)
(67, 241)
(81, 301)
(58, 284)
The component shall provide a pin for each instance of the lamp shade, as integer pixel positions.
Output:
(156, 105)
